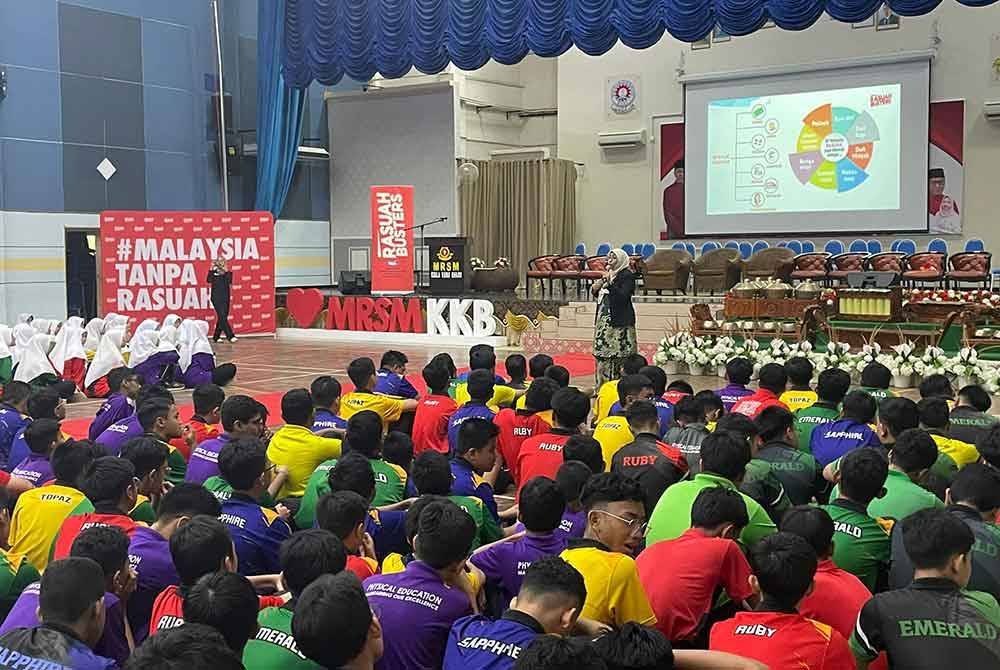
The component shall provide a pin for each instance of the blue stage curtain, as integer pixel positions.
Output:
(279, 113)
(327, 39)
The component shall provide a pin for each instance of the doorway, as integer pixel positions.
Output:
(81, 273)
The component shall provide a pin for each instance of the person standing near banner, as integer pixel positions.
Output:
(221, 279)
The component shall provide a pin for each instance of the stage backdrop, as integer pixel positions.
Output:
(156, 263)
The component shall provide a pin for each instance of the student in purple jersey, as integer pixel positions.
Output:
(14, 417)
(832, 440)
(188, 647)
(391, 376)
(228, 603)
(117, 434)
(42, 437)
(418, 606)
(257, 531)
(325, 391)
(480, 386)
(474, 463)
(108, 547)
(336, 627)
(42, 404)
(149, 458)
(738, 374)
(71, 605)
(241, 418)
(548, 602)
(149, 550)
(124, 385)
(540, 508)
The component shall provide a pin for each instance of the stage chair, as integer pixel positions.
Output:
(760, 245)
(581, 249)
(905, 247)
(874, 247)
(731, 244)
(594, 268)
(709, 246)
(834, 247)
(541, 268)
(938, 245)
(717, 270)
(838, 266)
(767, 263)
(795, 246)
(927, 267)
(970, 267)
(690, 249)
(648, 250)
(667, 269)
(679, 246)
(859, 246)
(975, 244)
(808, 247)
(746, 250)
(810, 266)
(604, 249)
(568, 269)
(628, 248)
(887, 261)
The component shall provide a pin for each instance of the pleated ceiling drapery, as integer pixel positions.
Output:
(328, 39)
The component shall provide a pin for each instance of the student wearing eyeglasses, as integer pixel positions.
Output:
(616, 523)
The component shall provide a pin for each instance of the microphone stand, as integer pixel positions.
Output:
(420, 227)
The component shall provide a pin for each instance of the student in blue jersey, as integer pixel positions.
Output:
(354, 472)
(13, 417)
(257, 531)
(831, 441)
(480, 387)
(391, 376)
(474, 464)
(325, 392)
(548, 603)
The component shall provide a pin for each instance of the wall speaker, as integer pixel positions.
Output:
(354, 282)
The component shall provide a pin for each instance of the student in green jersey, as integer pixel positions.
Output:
(149, 457)
(338, 628)
(797, 471)
(16, 571)
(833, 385)
(759, 481)
(862, 544)
(432, 476)
(305, 557)
(364, 435)
(228, 603)
(910, 461)
(160, 420)
(876, 380)
(222, 490)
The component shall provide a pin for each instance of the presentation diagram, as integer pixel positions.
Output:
(816, 151)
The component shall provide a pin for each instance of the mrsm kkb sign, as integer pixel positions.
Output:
(455, 317)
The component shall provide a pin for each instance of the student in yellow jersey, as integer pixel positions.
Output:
(613, 432)
(362, 374)
(800, 393)
(607, 395)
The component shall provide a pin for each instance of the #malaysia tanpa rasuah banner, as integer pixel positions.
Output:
(392, 239)
(156, 263)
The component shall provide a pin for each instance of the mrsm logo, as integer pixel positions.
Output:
(879, 99)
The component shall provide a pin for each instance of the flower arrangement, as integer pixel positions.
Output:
(975, 297)
(477, 263)
(501, 262)
(933, 362)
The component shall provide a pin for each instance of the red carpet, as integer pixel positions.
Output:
(579, 365)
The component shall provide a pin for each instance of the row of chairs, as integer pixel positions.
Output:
(923, 267)
(748, 249)
(576, 269)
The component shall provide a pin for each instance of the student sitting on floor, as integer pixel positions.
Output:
(204, 424)
(664, 408)
(935, 417)
(228, 603)
(607, 395)
(517, 425)
(434, 411)
(337, 627)
(970, 419)
(738, 373)
(479, 388)
(362, 373)
(613, 432)
(241, 417)
(772, 382)
(197, 360)
(516, 367)
(689, 432)
(150, 458)
(541, 455)
(432, 477)
(123, 385)
(831, 441)
(776, 634)
(474, 465)
(876, 380)
(391, 376)
(325, 391)
(107, 358)
(711, 407)
(483, 358)
(343, 515)
(120, 432)
(800, 393)
(655, 465)
(833, 385)
(296, 447)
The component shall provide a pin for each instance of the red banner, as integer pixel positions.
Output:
(157, 263)
(392, 239)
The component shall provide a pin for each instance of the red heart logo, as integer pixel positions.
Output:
(304, 305)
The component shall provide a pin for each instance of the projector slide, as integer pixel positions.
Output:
(818, 151)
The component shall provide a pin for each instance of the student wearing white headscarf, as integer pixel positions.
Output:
(94, 330)
(197, 360)
(35, 368)
(169, 330)
(108, 357)
(151, 359)
(68, 357)
(6, 356)
(22, 332)
(614, 328)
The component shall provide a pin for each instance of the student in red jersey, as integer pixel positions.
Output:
(199, 547)
(343, 514)
(430, 423)
(837, 596)
(204, 424)
(110, 485)
(541, 455)
(337, 627)
(677, 390)
(517, 425)
(772, 383)
(776, 633)
(702, 561)
(647, 460)
(228, 603)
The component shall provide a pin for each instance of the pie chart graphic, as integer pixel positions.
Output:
(834, 148)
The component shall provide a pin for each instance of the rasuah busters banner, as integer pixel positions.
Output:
(392, 239)
(157, 263)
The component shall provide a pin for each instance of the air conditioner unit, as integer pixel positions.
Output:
(522, 154)
(608, 140)
(991, 110)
